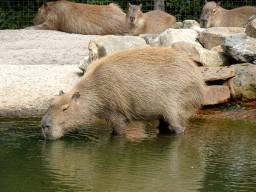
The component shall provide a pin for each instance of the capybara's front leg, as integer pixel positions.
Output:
(119, 125)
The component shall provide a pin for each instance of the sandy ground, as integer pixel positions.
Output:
(35, 66)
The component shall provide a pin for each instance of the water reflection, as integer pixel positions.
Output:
(212, 156)
(119, 164)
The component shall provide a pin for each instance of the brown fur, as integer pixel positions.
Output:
(213, 15)
(135, 84)
(80, 18)
(154, 22)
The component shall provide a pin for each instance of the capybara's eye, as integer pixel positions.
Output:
(65, 107)
(214, 10)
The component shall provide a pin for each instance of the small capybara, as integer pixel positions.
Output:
(154, 22)
(135, 84)
(80, 18)
(213, 15)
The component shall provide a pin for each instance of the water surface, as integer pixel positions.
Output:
(212, 156)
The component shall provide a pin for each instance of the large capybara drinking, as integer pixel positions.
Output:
(213, 15)
(154, 22)
(128, 85)
(80, 18)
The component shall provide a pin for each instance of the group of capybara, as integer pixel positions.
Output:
(135, 84)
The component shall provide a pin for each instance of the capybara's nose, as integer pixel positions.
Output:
(45, 123)
(203, 23)
(45, 126)
(132, 19)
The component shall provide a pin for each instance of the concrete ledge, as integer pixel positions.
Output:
(29, 89)
(35, 65)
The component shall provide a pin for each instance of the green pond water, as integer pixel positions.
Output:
(215, 155)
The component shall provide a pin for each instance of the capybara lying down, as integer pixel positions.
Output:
(213, 15)
(128, 85)
(80, 18)
(151, 22)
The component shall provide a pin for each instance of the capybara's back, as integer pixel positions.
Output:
(213, 15)
(80, 18)
(155, 22)
(135, 84)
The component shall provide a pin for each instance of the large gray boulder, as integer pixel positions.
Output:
(201, 55)
(149, 38)
(251, 28)
(213, 37)
(245, 81)
(171, 36)
(187, 24)
(241, 47)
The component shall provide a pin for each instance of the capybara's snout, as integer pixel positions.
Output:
(46, 127)
(203, 23)
(132, 17)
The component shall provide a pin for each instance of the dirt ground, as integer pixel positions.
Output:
(236, 110)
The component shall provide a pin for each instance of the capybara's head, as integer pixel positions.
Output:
(41, 13)
(210, 16)
(62, 115)
(134, 13)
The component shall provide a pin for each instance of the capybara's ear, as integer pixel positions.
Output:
(61, 92)
(128, 5)
(76, 96)
(45, 5)
(218, 4)
(140, 6)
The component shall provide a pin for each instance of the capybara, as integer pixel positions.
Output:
(213, 15)
(128, 85)
(80, 18)
(154, 22)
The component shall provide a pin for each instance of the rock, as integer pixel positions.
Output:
(84, 63)
(234, 29)
(253, 17)
(187, 24)
(241, 47)
(177, 25)
(104, 45)
(217, 73)
(93, 46)
(245, 81)
(251, 29)
(37, 47)
(217, 48)
(213, 37)
(171, 36)
(149, 38)
(27, 90)
(198, 29)
(202, 56)
(216, 94)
